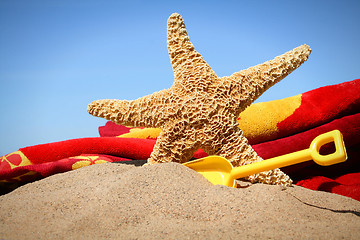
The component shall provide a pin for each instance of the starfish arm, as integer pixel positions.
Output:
(186, 62)
(176, 143)
(250, 83)
(238, 151)
(142, 112)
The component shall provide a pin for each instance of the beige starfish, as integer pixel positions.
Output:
(200, 109)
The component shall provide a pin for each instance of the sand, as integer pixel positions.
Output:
(169, 201)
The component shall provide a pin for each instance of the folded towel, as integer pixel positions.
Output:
(285, 126)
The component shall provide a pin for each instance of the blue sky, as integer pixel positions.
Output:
(57, 56)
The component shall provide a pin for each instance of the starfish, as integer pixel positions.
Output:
(200, 109)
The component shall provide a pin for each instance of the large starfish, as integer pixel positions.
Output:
(200, 109)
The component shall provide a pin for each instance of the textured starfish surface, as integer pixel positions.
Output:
(200, 109)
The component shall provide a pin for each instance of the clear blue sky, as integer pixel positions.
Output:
(56, 56)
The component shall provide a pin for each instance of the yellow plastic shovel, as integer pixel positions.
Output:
(219, 170)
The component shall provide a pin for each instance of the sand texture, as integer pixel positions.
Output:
(169, 201)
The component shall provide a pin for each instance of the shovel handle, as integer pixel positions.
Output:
(300, 156)
(325, 160)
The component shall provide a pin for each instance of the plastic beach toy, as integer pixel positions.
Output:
(220, 171)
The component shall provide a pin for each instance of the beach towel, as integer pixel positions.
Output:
(285, 126)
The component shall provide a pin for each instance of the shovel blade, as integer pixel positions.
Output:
(216, 169)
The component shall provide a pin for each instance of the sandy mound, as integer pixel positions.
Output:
(116, 201)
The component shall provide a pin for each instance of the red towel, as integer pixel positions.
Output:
(321, 110)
